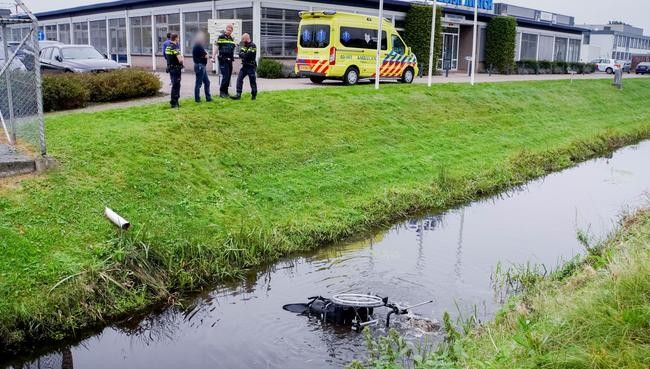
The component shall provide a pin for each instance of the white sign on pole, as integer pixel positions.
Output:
(217, 26)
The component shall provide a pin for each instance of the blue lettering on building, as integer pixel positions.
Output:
(482, 4)
(41, 36)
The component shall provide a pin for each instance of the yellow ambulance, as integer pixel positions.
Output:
(343, 46)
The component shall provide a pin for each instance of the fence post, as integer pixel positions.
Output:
(10, 102)
(39, 90)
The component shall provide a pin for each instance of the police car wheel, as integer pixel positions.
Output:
(609, 71)
(407, 77)
(351, 76)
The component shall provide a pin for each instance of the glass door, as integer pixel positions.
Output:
(450, 39)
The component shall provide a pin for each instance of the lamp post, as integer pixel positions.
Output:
(472, 78)
(378, 61)
(432, 42)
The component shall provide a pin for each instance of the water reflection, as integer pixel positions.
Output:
(448, 257)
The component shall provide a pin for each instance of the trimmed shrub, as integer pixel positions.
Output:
(121, 85)
(269, 68)
(72, 91)
(560, 67)
(64, 91)
(417, 33)
(500, 44)
(527, 67)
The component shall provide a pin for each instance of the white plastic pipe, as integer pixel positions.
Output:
(379, 61)
(116, 219)
(472, 79)
(432, 45)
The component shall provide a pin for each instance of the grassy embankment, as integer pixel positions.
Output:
(214, 188)
(592, 313)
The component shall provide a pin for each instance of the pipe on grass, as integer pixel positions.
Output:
(116, 219)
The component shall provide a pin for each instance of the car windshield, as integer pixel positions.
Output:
(81, 53)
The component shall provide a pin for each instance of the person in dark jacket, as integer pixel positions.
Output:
(164, 46)
(248, 57)
(226, 48)
(174, 66)
(200, 58)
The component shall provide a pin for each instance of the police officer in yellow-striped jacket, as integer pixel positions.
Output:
(248, 57)
(174, 67)
(226, 48)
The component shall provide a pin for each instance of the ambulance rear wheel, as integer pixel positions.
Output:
(316, 79)
(351, 76)
(407, 76)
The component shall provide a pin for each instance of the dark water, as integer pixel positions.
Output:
(448, 257)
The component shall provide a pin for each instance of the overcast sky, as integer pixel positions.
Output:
(635, 12)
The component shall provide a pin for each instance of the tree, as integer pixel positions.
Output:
(417, 33)
(500, 44)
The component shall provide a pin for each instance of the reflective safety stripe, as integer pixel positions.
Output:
(225, 41)
(172, 51)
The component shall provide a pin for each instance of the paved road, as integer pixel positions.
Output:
(187, 85)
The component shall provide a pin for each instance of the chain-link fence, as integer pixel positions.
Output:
(21, 104)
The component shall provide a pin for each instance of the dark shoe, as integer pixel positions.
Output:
(176, 106)
(197, 100)
(236, 97)
(224, 96)
(254, 97)
(208, 99)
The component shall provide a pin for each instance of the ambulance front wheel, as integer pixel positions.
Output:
(408, 75)
(316, 79)
(351, 76)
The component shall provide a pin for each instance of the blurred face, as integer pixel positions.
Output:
(246, 38)
(229, 29)
(200, 38)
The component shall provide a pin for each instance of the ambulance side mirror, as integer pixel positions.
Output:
(408, 51)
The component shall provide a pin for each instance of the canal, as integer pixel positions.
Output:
(448, 257)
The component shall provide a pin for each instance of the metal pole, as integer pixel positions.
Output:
(473, 71)
(378, 61)
(39, 92)
(10, 98)
(432, 45)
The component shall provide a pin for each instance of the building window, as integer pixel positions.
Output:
(64, 33)
(50, 33)
(587, 39)
(80, 33)
(18, 33)
(195, 22)
(117, 39)
(279, 31)
(168, 23)
(574, 51)
(561, 46)
(245, 14)
(528, 46)
(98, 35)
(140, 35)
(546, 45)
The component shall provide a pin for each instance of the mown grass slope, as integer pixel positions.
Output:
(214, 188)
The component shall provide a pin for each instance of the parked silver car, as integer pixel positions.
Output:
(75, 59)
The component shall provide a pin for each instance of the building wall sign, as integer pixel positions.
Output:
(482, 4)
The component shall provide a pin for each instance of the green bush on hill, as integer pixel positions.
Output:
(417, 34)
(71, 91)
(269, 68)
(500, 44)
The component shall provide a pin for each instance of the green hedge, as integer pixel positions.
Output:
(548, 67)
(500, 44)
(417, 34)
(71, 91)
(269, 68)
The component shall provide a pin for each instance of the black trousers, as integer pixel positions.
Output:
(175, 76)
(247, 70)
(225, 68)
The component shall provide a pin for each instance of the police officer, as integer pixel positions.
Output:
(174, 66)
(226, 48)
(247, 55)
